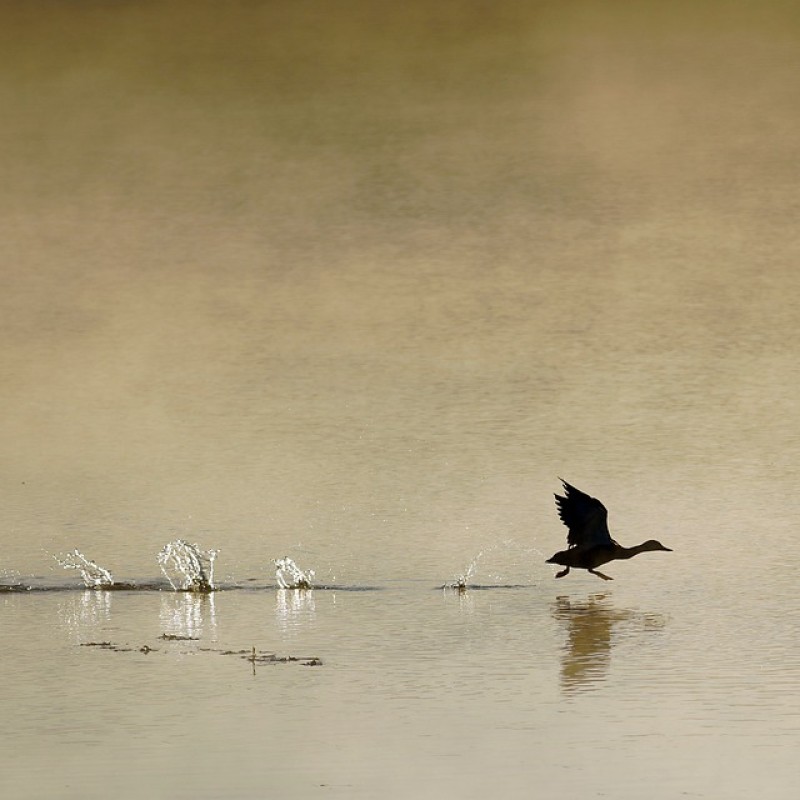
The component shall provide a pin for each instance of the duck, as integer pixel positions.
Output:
(590, 543)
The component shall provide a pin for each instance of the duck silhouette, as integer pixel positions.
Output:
(590, 543)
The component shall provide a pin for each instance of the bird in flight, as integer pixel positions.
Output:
(590, 543)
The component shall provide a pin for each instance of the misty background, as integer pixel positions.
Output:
(355, 281)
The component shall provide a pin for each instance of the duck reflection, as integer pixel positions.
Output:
(590, 624)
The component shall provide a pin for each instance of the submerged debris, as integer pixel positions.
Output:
(110, 646)
(256, 657)
(253, 656)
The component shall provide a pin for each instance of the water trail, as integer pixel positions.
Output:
(94, 576)
(290, 576)
(187, 567)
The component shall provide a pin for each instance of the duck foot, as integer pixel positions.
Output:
(600, 575)
(563, 572)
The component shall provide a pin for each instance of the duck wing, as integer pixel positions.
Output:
(586, 517)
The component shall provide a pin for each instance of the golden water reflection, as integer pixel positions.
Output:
(188, 614)
(293, 606)
(592, 624)
(84, 613)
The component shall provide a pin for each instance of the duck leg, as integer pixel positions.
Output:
(599, 575)
(563, 572)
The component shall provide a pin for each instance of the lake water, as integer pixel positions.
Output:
(354, 283)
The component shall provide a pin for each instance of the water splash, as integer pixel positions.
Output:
(501, 564)
(290, 576)
(187, 567)
(462, 580)
(94, 576)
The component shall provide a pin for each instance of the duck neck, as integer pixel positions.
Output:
(630, 552)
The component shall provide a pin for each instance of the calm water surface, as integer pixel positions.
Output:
(578, 691)
(354, 284)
